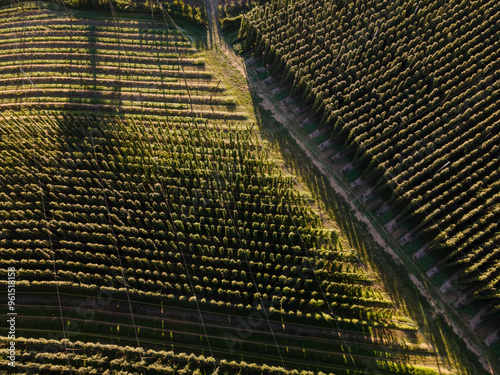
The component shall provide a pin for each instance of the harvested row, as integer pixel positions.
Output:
(156, 70)
(140, 361)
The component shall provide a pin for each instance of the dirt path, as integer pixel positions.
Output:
(214, 36)
(216, 40)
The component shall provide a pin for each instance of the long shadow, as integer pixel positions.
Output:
(89, 96)
(115, 87)
(92, 39)
(198, 35)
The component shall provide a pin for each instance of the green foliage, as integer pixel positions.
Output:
(103, 4)
(231, 24)
(194, 14)
(176, 8)
(170, 201)
(421, 119)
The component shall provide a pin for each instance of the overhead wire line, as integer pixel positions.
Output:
(75, 47)
(166, 15)
(314, 264)
(232, 220)
(52, 251)
(183, 256)
(178, 56)
(125, 52)
(172, 222)
(115, 242)
(254, 282)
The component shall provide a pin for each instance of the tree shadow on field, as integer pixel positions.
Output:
(197, 34)
(395, 278)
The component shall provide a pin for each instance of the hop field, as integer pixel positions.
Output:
(146, 219)
(411, 90)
